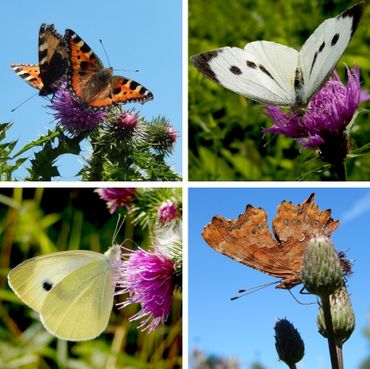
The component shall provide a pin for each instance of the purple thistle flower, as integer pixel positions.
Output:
(328, 114)
(116, 197)
(72, 115)
(167, 211)
(148, 276)
(128, 120)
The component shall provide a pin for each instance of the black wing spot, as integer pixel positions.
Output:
(264, 70)
(47, 285)
(335, 39)
(313, 62)
(321, 48)
(235, 70)
(251, 64)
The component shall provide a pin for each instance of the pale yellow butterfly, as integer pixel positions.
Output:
(71, 290)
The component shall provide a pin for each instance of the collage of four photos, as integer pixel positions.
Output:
(185, 184)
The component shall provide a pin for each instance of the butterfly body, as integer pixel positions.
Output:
(95, 85)
(271, 73)
(249, 241)
(71, 290)
(53, 62)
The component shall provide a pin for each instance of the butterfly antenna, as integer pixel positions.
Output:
(18, 106)
(299, 302)
(105, 52)
(244, 292)
(270, 140)
(120, 221)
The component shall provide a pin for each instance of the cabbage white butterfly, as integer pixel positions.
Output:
(271, 73)
(71, 290)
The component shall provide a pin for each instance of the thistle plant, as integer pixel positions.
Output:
(123, 145)
(149, 277)
(325, 126)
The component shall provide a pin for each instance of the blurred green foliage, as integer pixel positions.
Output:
(226, 141)
(38, 221)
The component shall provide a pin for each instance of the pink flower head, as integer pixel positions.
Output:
(329, 112)
(128, 120)
(116, 197)
(72, 115)
(167, 211)
(172, 134)
(148, 277)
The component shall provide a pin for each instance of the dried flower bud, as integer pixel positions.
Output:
(288, 342)
(321, 271)
(342, 316)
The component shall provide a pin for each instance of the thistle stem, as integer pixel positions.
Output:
(339, 171)
(325, 302)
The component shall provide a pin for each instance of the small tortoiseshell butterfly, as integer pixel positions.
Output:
(53, 62)
(95, 85)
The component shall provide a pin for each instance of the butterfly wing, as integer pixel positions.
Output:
(79, 306)
(322, 50)
(83, 66)
(53, 59)
(249, 241)
(33, 279)
(30, 74)
(264, 71)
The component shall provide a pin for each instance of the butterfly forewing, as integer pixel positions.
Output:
(33, 279)
(323, 49)
(53, 61)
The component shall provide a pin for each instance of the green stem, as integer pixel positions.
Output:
(325, 301)
(340, 355)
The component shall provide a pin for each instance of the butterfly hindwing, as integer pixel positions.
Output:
(29, 73)
(95, 85)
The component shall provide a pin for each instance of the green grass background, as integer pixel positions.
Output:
(225, 130)
(35, 222)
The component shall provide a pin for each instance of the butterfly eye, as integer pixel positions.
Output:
(47, 286)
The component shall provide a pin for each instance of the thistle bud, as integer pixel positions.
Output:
(321, 272)
(342, 316)
(288, 342)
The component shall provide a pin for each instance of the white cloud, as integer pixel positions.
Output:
(360, 207)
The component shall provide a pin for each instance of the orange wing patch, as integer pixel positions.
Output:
(30, 74)
(95, 85)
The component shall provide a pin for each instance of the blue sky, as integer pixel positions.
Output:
(244, 328)
(144, 35)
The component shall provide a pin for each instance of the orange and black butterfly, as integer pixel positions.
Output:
(53, 62)
(95, 85)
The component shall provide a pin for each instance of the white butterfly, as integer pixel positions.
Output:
(71, 290)
(271, 73)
